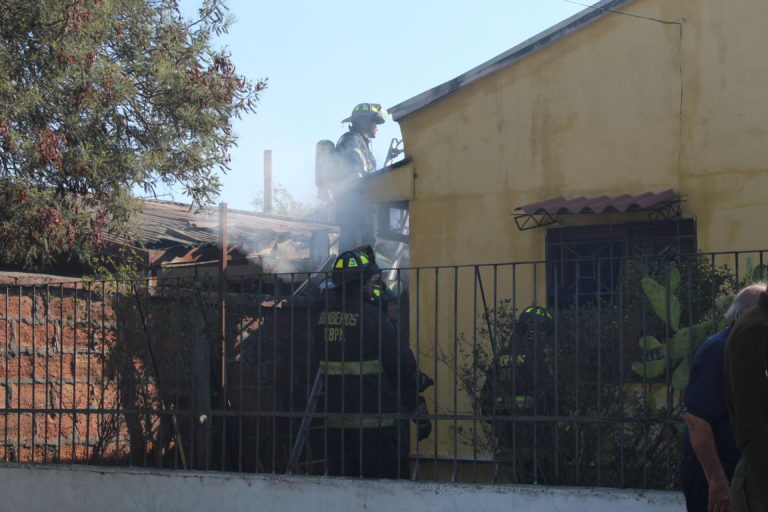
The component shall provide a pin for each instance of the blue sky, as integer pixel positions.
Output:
(324, 57)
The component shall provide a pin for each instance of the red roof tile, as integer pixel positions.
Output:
(601, 204)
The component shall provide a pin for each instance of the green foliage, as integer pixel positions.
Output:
(623, 358)
(681, 374)
(650, 369)
(98, 97)
(666, 305)
(676, 354)
(579, 374)
(121, 268)
(754, 273)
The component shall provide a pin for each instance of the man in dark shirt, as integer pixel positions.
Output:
(746, 378)
(709, 448)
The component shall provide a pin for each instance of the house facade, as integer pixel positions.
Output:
(639, 124)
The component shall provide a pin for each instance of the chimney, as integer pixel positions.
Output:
(268, 189)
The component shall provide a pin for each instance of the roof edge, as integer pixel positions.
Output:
(211, 212)
(548, 36)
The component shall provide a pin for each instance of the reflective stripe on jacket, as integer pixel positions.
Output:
(351, 368)
(369, 372)
(359, 422)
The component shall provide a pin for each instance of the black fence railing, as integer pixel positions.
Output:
(532, 380)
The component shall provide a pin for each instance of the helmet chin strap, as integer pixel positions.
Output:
(365, 131)
(369, 132)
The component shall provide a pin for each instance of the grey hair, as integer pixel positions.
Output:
(744, 300)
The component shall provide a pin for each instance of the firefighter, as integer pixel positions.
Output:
(353, 213)
(519, 384)
(355, 145)
(382, 300)
(371, 377)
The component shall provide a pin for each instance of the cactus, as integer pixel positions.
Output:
(675, 355)
(754, 273)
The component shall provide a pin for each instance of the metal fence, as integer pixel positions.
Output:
(540, 375)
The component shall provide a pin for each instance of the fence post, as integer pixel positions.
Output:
(201, 391)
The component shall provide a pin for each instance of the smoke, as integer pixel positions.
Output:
(272, 239)
(292, 226)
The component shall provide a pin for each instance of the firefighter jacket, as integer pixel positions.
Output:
(353, 213)
(369, 374)
(356, 155)
(519, 380)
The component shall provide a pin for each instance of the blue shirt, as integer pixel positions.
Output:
(705, 396)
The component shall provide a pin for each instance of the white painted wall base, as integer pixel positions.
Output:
(25, 487)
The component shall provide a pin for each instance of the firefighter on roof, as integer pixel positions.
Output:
(353, 161)
(355, 145)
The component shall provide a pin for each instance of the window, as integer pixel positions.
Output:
(583, 263)
(393, 221)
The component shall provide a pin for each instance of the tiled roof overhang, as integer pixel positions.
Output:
(662, 205)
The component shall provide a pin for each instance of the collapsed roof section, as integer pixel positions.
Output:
(174, 234)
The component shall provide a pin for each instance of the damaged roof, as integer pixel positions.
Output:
(170, 228)
(507, 58)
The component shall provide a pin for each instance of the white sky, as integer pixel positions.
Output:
(324, 57)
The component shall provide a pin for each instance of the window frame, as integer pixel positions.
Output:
(605, 247)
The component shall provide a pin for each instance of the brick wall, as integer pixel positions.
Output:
(90, 375)
(54, 339)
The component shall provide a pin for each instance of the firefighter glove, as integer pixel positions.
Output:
(424, 381)
(423, 425)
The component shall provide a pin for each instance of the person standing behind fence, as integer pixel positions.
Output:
(370, 376)
(709, 448)
(746, 390)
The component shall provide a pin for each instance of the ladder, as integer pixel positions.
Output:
(303, 433)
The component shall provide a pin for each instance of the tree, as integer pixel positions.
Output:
(98, 97)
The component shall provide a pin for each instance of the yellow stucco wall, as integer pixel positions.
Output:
(625, 104)
(671, 97)
(560, 122)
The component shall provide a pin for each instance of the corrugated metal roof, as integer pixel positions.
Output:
(601, 204)
(164, 225)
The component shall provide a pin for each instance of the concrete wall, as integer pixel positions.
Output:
(83, 489)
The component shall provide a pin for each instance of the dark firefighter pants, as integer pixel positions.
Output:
(368, 452)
